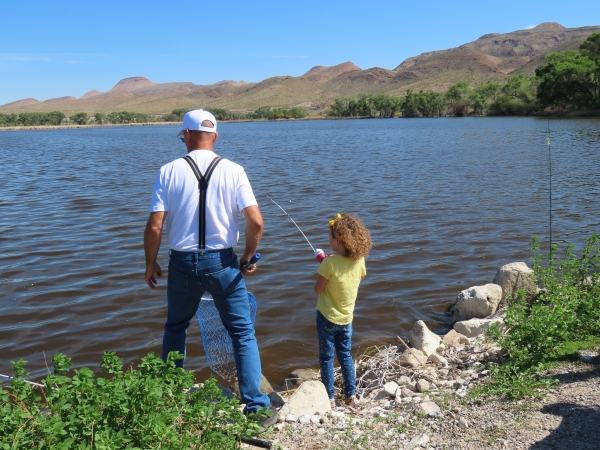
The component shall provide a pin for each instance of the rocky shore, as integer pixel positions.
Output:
(416, 394)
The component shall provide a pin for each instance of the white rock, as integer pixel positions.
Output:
(417, 441)
(290, 418)
(475, 327)
(422, 386)
(279, 426)
(515, 276)
(412, 386)
(406, 399)
(337, 414)
(321, 430)
(477, 302)
(423, 339)
(390, 388)
(429, 408)
(315, 419)
(310, 398)
(441, 348)
(463, 423)
(437, 359)
(304, 420)
(413, 358)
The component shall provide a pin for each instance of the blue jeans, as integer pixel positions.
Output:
(338, 337)
(215, 271)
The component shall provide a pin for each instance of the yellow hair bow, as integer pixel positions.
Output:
(332, 221)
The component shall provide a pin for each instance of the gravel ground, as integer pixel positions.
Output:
(567, 418)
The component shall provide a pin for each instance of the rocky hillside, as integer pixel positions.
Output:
(491, 57)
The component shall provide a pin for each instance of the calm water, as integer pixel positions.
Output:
(448, 201)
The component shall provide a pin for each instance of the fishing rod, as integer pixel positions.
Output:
(319, 254)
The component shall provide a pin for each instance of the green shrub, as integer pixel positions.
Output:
(562, 319)
(147, 407)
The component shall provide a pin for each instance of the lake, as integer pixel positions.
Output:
(447, 200)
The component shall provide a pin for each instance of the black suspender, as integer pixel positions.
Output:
(202, 187)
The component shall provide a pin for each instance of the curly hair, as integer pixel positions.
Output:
(352, 234)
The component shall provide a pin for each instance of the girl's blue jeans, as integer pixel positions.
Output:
(215, 271)
(339, 338)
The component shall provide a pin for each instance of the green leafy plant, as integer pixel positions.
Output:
(563, 318)
(153, 406)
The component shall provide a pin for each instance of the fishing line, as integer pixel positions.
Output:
(550, 169)
(293, 222)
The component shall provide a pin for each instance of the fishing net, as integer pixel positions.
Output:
(215, 338)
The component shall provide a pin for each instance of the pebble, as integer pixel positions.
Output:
(290, 418)
(315, 419)
(320, 430)
(463, 423)
(304, 420)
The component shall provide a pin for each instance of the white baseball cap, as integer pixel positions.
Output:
(193, 121)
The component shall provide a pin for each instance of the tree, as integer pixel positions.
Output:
(590, 48)
(100, 118)
(568, 81)
(409, 105)
(55, 118)
(79, 118)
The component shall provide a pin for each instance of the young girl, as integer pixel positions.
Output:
(337, 285)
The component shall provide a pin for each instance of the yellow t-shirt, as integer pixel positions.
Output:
(343, 275)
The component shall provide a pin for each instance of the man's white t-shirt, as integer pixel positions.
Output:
(176, 191)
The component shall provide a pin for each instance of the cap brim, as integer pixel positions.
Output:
(180, 133)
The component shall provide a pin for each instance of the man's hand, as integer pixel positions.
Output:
(150, 271)
(152, 238)
(254, 230)
(243, 261)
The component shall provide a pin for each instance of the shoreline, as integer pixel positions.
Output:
(421, 395)
(561, 113)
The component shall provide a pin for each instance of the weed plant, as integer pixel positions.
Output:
(553, 326)
(148, 407)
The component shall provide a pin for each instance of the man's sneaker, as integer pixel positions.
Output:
(266, 422)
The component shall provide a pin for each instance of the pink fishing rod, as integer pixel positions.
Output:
(319, 254)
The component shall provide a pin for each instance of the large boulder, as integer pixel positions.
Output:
(475, 327)
(477, 302)
(424, 340)
(513, 277)
(310, 398)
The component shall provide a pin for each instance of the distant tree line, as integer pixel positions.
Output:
(126, 117)
(515, 97)
(264, 112)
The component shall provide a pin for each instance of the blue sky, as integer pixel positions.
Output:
(52, 49)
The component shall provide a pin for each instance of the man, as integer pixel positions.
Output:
(201, 233)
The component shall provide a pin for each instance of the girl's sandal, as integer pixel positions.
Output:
(332, 401)
(351, 401)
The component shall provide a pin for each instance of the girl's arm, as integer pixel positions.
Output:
(320, 284)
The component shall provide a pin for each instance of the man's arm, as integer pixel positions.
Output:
(152, 238)
(254, 231)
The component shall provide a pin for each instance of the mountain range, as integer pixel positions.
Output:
(492, 57)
